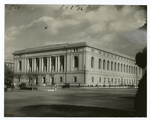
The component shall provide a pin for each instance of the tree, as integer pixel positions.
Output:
(18, 76)
(141, 58)
(31, 78)
(8, 77)
(140, 102)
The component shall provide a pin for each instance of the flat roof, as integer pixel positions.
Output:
(65, 46)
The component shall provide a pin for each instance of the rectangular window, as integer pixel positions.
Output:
(92, 79)
(74, 79)
(61, 79)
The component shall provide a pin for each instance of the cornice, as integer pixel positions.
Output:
(66, 46)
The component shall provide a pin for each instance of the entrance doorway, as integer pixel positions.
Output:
(44, 80)
(53, 82)
(36, 81)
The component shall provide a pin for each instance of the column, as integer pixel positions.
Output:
(25, 65)
(42, 64)
(34, 64)
(65, 68)
(58, 63)
(17, 65)
(47, 64)
(50, 64)
(68, 62)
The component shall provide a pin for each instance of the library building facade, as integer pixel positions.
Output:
(76, 64)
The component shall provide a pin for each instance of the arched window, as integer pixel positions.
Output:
(115, 66)
(124, 68)
(99, 63)
(75, 61)
(127, 69)
(118, 67)
(104, 64)
(92, 62)
(20, 65)
(121, 67)
(107, 65)
(111, 66)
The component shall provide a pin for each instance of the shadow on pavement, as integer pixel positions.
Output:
(128, 97)
(72, 111)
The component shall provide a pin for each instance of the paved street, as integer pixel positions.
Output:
(73, 102)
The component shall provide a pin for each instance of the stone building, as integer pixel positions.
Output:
(77, 64)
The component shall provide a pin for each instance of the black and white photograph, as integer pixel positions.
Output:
(75, 60)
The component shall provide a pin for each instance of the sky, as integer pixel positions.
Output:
(117, 27)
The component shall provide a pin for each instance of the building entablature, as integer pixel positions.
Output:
(73, 47)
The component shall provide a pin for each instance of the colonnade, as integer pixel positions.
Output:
(43, 64)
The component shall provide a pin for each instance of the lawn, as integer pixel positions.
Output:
(73, 102)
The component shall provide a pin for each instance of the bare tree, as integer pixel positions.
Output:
(8, 75)
(31, 77)
(18, 76)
